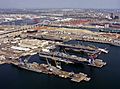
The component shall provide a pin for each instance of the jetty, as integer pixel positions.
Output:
(82, 48)
(72, 59)
(48, 69)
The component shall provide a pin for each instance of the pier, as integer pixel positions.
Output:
(62, 57)
(49, 69)
(82, 48)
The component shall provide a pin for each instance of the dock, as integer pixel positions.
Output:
(56, 59)
(72, 59)
(99, 63)
(82, 48)
(49, 69)
(63, 56)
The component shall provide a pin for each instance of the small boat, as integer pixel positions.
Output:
(103, 50)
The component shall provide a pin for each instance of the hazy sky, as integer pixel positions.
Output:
(60, 4)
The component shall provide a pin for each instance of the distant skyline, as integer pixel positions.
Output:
(106, 4)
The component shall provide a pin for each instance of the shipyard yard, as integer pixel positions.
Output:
(56, 49)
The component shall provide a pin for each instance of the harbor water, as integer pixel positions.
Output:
(107, 77)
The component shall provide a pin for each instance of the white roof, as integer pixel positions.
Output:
(20, 48)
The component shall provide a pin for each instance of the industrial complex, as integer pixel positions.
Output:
(57, 36)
